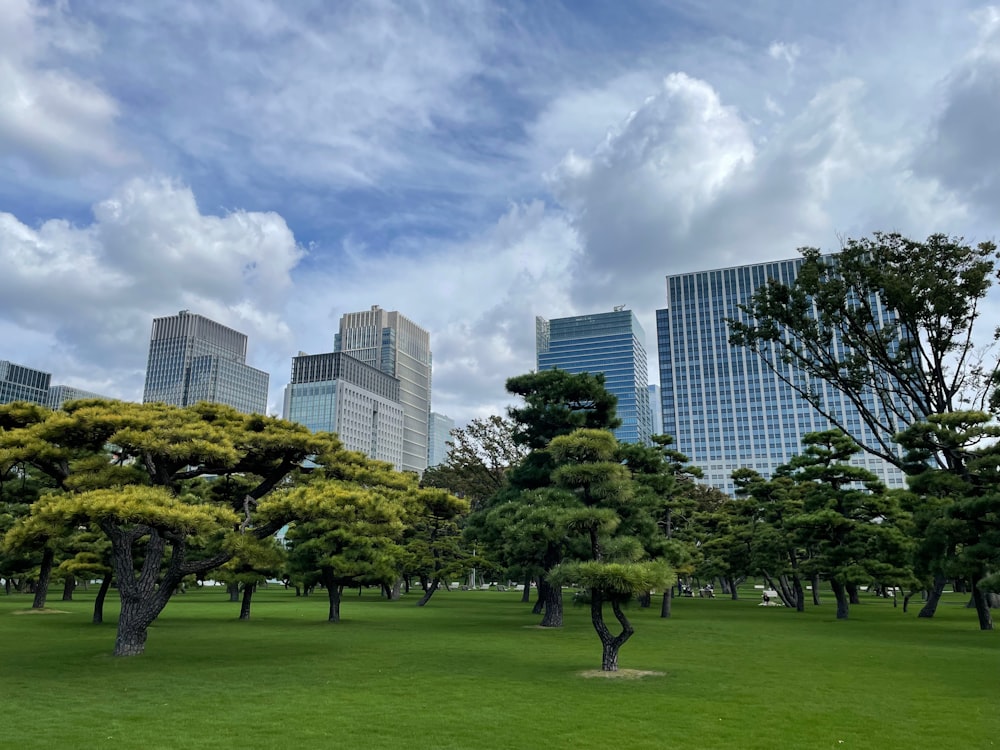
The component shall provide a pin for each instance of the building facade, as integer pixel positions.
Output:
(60, 394)
(439, 429)
(337, 393)
(397, 346)
(20, 383)
(654, 408)
(192, 359)
(611, 343)
(724, 406)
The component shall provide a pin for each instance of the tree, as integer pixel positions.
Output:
(481, 455)
(889, 323)
(847, 519)
(961, 509)
(616, 565)
(129, 468)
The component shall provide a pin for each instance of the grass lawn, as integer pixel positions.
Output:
(470, 670)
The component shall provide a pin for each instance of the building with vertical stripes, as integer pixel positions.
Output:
(192, 359)
(20, 383)
(337, 393)
(397, 346)
(724, 406)
(611, 343)
(439, 440)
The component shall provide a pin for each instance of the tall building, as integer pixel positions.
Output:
(192, 359)
(337, 393)
(439, 429)
(20, 383)
(655, 408)
(397, 346)
(60, 394)
(724, 406)
(612, 343)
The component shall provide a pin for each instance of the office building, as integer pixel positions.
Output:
(20, 383)
(397, 346)
(192, 359)
(611, 343)
(337, 393)
(60, 394)
(439, 429)
(654, 408)
(724, 406)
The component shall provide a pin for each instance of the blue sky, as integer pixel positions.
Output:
(471, 164)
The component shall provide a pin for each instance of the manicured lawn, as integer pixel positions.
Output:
(471, 671)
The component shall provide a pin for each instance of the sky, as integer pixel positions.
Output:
(274, 165)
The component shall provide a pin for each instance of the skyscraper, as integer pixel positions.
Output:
(723, 405)
(397, 346)
(60, 394)
(439, 429)
(192, 359)
(337, 393)
(20, 383)
(612, 343)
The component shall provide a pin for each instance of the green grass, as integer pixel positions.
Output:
(470, 671)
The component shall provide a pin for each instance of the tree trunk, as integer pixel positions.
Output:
(248, 589)
(668, 597)
(981, 600)
(395, 591)
(44, 573)
(6, 586)
(843, 603)
(610, 644)
(526, 592)
(553, 617)
(102, 593)
(800, 595)
(815, 589)
(233, 589)
(930, 607)
(429, 591)
(645, 599)
(543, 587)
(734, 592)
(69, 583)
(852, 593)
(335, 592)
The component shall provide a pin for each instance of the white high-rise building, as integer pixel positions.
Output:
(390, 342)
(337, 393)
(438, 438)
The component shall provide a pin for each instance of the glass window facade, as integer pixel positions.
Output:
(724, 406)
(192, 359)
(337, 393)
(610, 343)
(20, 383)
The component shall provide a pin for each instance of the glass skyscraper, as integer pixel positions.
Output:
(724, 406)
(397, 346)
(438, 438)
(612, 343)
(192, 359)
(337, 393)
(20, 383)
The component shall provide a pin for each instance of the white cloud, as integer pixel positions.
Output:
(92, 291)
(49, 116)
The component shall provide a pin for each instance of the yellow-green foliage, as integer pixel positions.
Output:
(614, 579)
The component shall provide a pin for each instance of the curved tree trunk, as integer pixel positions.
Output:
(539, 606)
(429, 591)
(248, 589)
(668, 598)
(526, 592)
(610, 644)
(800, 594)
(934, 597)
(102, 593)
(69, 583)
(44, 574)
(843, 603)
